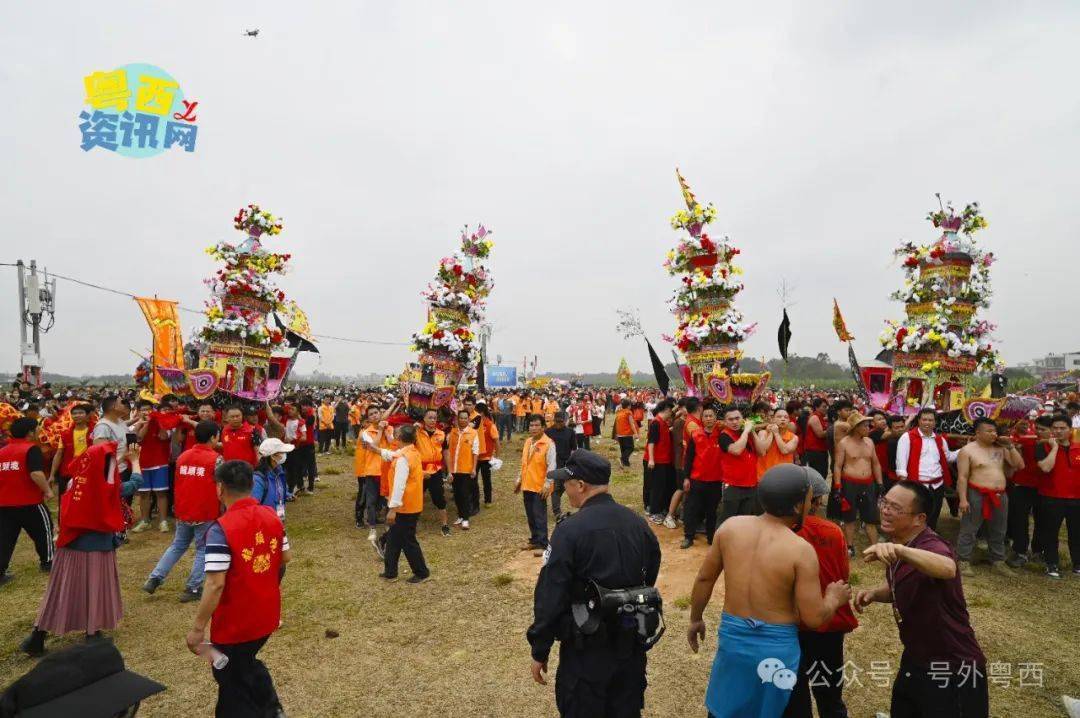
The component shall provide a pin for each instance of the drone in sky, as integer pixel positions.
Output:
(251, 33)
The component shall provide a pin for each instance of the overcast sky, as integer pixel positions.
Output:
(377, 129)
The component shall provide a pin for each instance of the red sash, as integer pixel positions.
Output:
(92, 500)
(991, 500)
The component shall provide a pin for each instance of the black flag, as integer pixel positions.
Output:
(783, 335)
(662, 379)
(480, 372)
(856, 373)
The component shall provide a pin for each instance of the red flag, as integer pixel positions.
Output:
(838, 323)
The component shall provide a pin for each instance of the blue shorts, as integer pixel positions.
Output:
(156, 479)
(755, 669)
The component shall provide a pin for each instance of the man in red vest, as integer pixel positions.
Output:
(660, 465)
(738, 467)
(704, 485)
(23, 493)
(246, 553)
(1059, 493)
(195, 504)
(923, 456)
(239, 439)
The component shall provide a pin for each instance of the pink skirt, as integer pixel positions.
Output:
(83, 593)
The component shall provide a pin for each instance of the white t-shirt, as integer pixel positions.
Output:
(113, 431)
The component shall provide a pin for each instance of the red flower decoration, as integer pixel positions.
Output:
(457, 270)
(903, 332)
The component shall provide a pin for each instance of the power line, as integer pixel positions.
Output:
(197, 311)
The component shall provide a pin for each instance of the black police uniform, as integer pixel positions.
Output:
(599, 676)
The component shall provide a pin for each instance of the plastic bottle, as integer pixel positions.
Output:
(214, 657)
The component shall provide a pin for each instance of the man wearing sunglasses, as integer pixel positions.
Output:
(942, 669)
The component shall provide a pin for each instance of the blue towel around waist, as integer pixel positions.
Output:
(755, 668)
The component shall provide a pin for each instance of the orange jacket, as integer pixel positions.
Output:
(464, 445)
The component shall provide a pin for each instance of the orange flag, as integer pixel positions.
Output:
(838, 323)
(164, 323)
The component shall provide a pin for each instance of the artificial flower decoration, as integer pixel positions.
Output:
(945, 283)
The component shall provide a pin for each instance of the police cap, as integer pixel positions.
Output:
(586, 466)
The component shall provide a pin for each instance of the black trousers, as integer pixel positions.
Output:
(536, 515)
(739, 501)
(583, 442)
(341, 433)
(245, 689)
(646, 485)
(600, 683)
(701, 503)
(367, 500)
(463, 495)
(484, 467)
(822, 664)
(1054, 511)
(1024, 506)
(310, 467)
(626, 448)
(36, 521)
(661, 487)
(919, 693)
(295, 468)
(937, 501)
(402, 538)
(325, 435)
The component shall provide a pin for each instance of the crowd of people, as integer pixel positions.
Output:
(220, 475)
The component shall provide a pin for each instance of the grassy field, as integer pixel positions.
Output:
(456, 646)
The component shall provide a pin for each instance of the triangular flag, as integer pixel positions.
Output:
(842, 332)
(783, 336)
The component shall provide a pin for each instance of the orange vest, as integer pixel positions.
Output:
(462, 458)
(773, 456)
(534, 463)
(368, 463)
(536, 406)
(412, 501)
(326, 417)
(624, 423)
(430, 448)
(550, 409)
(489, 438)
(519, 406)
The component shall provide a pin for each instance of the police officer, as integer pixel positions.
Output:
(603, 546)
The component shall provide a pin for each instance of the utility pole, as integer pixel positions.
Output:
(37, 312)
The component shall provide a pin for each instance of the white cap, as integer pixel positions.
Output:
(269, 447)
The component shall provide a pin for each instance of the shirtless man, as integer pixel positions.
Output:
(857, 473)
(770, 583)
(982, 466)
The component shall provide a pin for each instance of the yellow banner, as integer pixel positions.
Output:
(164, 322)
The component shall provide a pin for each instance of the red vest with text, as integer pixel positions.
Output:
(813, 442)
(739, 469)
(236, 444)
(16, 486)
(250, 606)
(1030, 475)
(1063, 481)
(195, 497)
(67, 438)
(707, 456)
(662, 449)
(92, 502)
(916, 439)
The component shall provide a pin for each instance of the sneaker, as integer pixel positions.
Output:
(6, 578)
(1018, 560)
(379, 545)
(465, 525)
(998, 568)
(418, 579)
(1076, 571)
(1072, 706)
(187, 596)
(140, 527)
(371, 535)
(965, 568)
(686, 543)
(308, 492)
(445, 530)
(163, 527)
(458, 520)
(669, 522)
(388, 579)
(656, 518)
(151, 584)
(1053, 572)
(851, 551)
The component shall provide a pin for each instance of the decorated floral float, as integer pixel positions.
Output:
(941, 344)
(252, 335)
(446, 344)
(709, 325)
